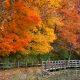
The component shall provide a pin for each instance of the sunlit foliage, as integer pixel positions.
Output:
(16, 18)
(43, 34)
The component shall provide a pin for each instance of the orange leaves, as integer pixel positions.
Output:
(19, 19)
(19, 5)
(27, 14)
(33, 19)
(31, 16)
(13, 42)
(70, 37)
(6, 3)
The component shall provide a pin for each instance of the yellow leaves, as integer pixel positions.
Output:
(49, 34)
(49, 3)
(39, 2)
(41, 43)
(43, 48)
(38, 38)
(56, 20)
(42, 36)
(54, 3)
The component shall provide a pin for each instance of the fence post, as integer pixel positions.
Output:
(18, 64)
(26, 64)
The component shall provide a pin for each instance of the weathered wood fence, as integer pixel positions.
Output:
(47, 65)
(60, 64)
(8, 65)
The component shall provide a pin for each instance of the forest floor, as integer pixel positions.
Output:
(4, 74)
(34, 73)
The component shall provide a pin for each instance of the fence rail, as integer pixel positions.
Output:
(47, 65)
(60, 64)
(9, 65)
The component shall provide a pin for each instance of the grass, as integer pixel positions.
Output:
(20, 75)
(36, 74)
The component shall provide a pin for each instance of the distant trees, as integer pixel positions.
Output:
(69, 32)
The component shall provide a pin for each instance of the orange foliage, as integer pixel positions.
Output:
(12, 42)
(6, 3)
(16, 22)
(28, 13)
(70, 37)
(71, 20)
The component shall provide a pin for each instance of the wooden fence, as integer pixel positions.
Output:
(47, 65)
(60, 64)
(9, 65)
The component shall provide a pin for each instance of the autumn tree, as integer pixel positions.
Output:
(69, 32)
(16, 19)
(43, 34)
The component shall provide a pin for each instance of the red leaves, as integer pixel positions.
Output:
(6, 3)
(70, 37)
(71, 20)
